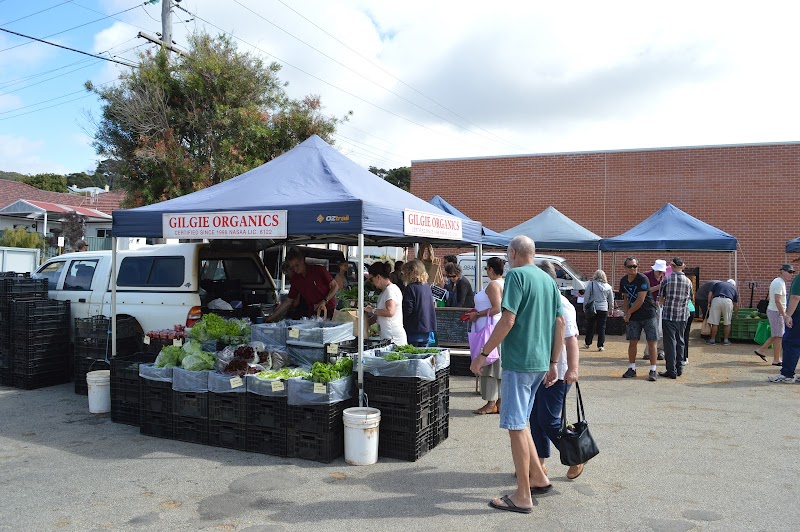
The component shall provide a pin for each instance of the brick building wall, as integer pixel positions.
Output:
(748, 191)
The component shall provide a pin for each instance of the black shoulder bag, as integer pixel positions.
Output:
(575, 443)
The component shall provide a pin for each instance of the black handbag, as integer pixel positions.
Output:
(590, 309)
(575, 443)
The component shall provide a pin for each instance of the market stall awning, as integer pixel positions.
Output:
(671, 229)
(489, 237)
(552, 230)
(327, 197)
(37, 209)
(793, 246)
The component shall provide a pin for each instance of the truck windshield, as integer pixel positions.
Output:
(244, 269)
(573, 270)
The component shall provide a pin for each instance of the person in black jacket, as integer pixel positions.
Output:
(419, 311)
(460, 290)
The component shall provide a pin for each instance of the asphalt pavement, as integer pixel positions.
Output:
(716, 449)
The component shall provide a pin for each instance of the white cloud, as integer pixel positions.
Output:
(23, 155)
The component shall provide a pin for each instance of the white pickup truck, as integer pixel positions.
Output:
(160, 286)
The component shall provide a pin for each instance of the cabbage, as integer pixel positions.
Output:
(200, 361)
(169, 357)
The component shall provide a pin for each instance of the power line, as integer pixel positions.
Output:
(64, 31)
(404, 157)
(32, 14)
(395, 77)
(363, 76)
(44, 108)
(48, 79)
(66, 47)
(376, 106)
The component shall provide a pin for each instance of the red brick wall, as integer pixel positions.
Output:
(750, 192)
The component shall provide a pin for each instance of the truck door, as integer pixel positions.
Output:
(78, 287)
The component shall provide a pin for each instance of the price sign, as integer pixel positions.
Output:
(237, 382)
(294, 333)
(320, 388)
(333, 349)
(177, 341)
(278, 386)
(146, 340)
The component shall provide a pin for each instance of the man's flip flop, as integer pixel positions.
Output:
(509, 506)
(759, 354)
(541, 490)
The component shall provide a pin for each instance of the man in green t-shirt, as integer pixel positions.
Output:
(532, 332)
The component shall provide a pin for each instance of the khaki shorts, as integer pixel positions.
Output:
(720, 307)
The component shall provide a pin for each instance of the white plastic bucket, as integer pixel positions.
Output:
(99, 383)
(361, 435)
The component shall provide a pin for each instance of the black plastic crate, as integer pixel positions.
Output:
(27, 312)
(156, 424)
(45, 347)
(41, 367)
(404, 445)
(99, 328)
(440, 431)
(266, 441)
(40, 381)
(227, 407)
(228, 435)
(442, 382)
(126, 367)
(22, 285)
(6, 360)
(190, 404)
(317, 447)
(317, 419)
(405, 418)
(441, 406)
(397, 390)
(125, 391)
(156, 397)
(267, 412)
(125, 412)
(190, 429)
(459, 365)
(6, 377)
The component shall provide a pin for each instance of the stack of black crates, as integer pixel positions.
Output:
(316, 432)
(34, 334)
(93, 345)
(190, 416)
(126, 388)
(415, 413)
(227, 415)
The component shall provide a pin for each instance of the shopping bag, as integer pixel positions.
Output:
(348, 315)
(574, 442)
(705, 330)
(479, 338)
(763, 332)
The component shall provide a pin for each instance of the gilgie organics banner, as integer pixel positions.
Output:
(240, 224)
(418, 223)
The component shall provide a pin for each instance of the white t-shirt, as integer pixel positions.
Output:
(570, 330)
(392, 328)
(777, 287)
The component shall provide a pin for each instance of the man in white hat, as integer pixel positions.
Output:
(723, 302)
(655, 275)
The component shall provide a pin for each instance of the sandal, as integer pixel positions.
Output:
(486, 409)
(509, 506)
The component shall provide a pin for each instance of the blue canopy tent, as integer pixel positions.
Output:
(793, 246)
(551, 230)
(488, 237)
(326, 198)
(672, 229)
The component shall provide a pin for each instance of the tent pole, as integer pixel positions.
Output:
(599, 259)
(479, 267)
(736, 265)
(283, 274)
(113, 296)
(361, 316)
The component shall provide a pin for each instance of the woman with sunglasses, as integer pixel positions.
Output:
(388, 311)
(487, 303)
(461, 293)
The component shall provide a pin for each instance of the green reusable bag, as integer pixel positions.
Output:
(763, 332)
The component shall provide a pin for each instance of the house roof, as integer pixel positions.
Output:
(11, 191)
(35, 208)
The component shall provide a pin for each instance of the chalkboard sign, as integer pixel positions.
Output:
(450, 330)
(439, 293)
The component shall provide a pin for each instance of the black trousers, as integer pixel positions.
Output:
(598, 321)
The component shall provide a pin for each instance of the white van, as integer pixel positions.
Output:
(161, 285)
(568, 277)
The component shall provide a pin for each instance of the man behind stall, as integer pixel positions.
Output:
(310, 282)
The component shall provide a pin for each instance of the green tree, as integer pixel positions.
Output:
(19, 237)
(52, 182)
(178, 124)
(399, 177)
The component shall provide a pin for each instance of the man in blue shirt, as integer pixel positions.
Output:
(723, 302)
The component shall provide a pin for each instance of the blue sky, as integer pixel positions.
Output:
(430, 80)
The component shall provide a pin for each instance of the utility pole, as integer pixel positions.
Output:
(166, 23)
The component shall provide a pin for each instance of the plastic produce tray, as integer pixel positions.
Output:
(190, 429)
(404, 445)
(318, 419)
(227, 407)
(267, 412)
(190, 404)
(156, 397)
(397, 390)
(325, 332)
(228, 435)
(405, 418)
(40, 381)
(158, 424)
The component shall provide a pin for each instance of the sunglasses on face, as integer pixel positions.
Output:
(632, 266)
(452, 276)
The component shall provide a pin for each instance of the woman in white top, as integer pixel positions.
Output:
(487, 303)
(388, 312)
